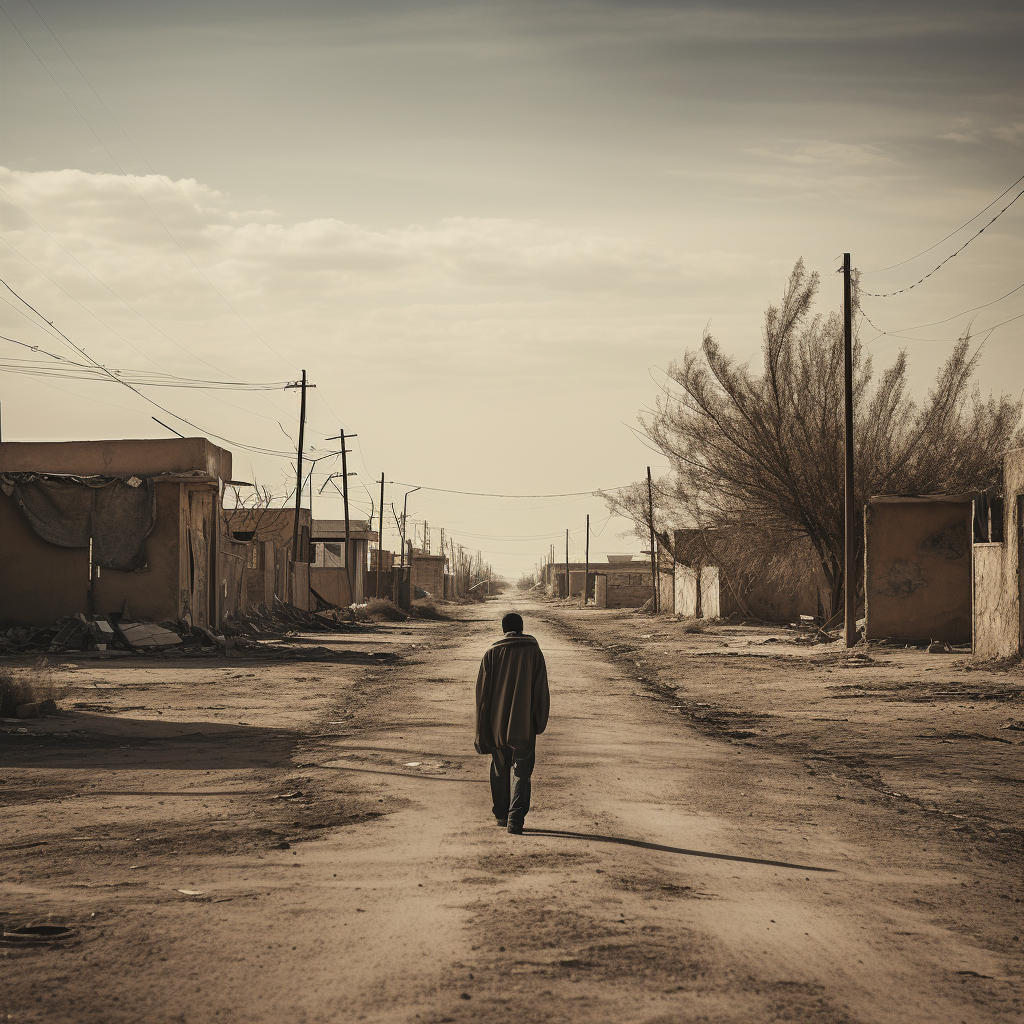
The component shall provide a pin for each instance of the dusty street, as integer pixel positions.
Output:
(714, 837)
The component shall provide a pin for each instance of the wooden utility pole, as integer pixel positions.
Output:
(298, 472)
(849, 568)
(380, 533)
(586, 565)
(567, 565)
(654, 566)
(344, 495)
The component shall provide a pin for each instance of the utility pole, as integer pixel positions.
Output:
(654, 566)
(567, 565)
(344, 495)
(849, 569)
(380, 533)
(586, 564)
(298, 473)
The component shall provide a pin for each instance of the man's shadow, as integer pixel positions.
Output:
(556, 834)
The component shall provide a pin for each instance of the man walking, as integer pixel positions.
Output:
(511, 709)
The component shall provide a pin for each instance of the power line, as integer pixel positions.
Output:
(142, 198)
(987, 331)
(900, 291)
(135, 390)
(950, 235)
(973, 309)
(484, 494)
(71, 370)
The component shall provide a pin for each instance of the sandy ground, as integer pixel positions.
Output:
(724, 830)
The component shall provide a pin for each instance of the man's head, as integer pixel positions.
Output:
(512, 623)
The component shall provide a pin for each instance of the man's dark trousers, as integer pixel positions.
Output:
(510, 781)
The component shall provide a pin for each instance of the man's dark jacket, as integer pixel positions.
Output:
(511, 694)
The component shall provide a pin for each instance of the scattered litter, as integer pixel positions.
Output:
(1013, 723)
(287, 796)
(413, 764)
(192, 892)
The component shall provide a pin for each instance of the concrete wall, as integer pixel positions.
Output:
(117, 458)
(628, 589)
(918, 569)
(998, 605)
(428, 573)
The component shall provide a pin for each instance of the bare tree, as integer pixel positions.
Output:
(763, 453)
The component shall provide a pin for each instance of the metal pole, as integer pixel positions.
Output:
(567, 565)
(344, 496)
(380, 533)
(586, 564)
(298, 474)
(654, 567)
(850, 562)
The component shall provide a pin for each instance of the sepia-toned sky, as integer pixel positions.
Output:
(485, 228)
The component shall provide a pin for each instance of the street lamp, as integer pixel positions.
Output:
(405, 506)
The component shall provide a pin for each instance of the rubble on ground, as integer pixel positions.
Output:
(262, 632)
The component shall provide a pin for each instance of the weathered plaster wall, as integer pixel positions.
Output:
(998, 599)
(710, 593)
(686, 590)
(919, 574)
(996, 612)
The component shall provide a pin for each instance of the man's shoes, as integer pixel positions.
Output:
(515, 828)
(501, 822)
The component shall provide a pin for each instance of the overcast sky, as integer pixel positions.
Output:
(484, 228)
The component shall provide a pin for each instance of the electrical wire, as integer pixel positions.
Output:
(950, 235)
(900, 291)
(135, 390)
(973, 309)
(71, 370)
(142, 198)
(484, 494)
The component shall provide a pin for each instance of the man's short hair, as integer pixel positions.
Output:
(512, 623)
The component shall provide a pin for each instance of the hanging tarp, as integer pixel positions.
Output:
(117, 514)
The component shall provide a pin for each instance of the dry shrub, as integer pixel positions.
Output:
(426, 609)
(26, 686)
(381, 609)
(693, 626)
(14, 690)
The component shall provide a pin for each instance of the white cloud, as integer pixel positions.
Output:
(824, 154)
(145, 237)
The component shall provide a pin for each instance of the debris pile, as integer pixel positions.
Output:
(108, 636)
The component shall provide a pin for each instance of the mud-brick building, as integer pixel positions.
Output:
(129, 526)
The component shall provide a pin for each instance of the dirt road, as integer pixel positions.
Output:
(311, 843)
